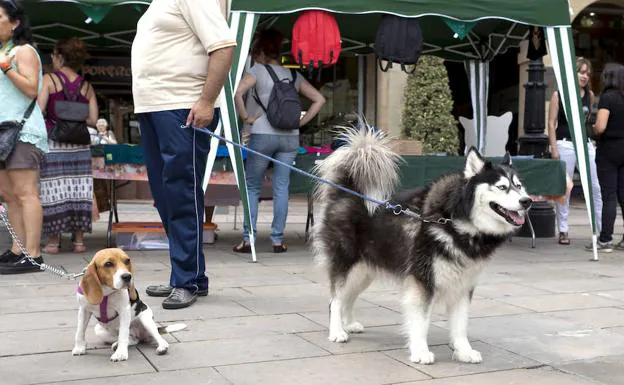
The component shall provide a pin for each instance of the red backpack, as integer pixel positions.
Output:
(316, 40)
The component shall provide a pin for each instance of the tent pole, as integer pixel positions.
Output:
(360, 86)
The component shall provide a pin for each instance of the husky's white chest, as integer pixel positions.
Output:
(453, 278)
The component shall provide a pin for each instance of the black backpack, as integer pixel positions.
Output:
(284, 108)
(399, 40)
(71, 118)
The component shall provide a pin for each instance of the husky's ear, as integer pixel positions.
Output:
(474, 163)
(507, 159)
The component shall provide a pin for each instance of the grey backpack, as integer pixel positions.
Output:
(283, 110)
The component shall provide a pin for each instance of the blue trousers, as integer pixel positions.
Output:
(176, 163)
(282, 148)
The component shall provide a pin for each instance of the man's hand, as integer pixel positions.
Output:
(201, 114)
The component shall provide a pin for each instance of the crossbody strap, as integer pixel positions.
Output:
(28, 112)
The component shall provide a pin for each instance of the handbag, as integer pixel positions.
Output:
(9, 132)
(71, 119)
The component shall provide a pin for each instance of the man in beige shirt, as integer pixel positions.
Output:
(181, 56)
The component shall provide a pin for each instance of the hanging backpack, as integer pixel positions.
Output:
(399, 40)
(283, 110)
(71, 118)
(316, 40)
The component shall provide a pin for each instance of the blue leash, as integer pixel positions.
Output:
(395, 208)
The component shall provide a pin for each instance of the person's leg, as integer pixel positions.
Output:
(78, 242)
(568, 156)
(23, 183)
(620, 191)
(26, 190)
(154, 164)
(184, 153)
(255, 169)
(14, 209)
(608, 177)
(597, 196)
(281, 180)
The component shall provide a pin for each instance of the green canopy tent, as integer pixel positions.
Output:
(473, 32)
(102, 24)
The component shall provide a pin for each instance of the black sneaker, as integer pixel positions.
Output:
(21, 266)
(8, 257)
(179, 299)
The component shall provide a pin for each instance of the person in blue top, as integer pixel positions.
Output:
(20, 83)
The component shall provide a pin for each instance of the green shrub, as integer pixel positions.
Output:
(428, 105)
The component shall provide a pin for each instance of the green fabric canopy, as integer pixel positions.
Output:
(474, 31)
(102, 24)
(490, 26)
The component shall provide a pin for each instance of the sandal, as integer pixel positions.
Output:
(52, 248)
(243, 247)
(563, 239)
(79, 247)
(279, 248)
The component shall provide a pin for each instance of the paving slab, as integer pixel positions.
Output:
(55, 367)
(356, 369)
(204, 376)
(246, 327)
(607, 370)
(554, 302)
(203, 354)
(540, 376)
(374, 339)
(494, 359)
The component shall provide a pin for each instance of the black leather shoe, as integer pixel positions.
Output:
(23, 265)
(179, 299)
(165, 291)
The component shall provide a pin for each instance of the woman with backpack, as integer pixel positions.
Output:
(273, 120)
(66, 177)
(20, 81)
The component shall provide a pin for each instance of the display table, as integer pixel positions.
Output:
(544, 179)
(541, 177)
(223, 189)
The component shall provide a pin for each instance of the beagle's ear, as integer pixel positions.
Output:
(132, 291)
(91, 286)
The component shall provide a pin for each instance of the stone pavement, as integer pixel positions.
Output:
(544, 316)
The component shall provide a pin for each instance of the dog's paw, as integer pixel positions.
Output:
(424, 357)
(354, 328)
(79, 350)
(470, 356)
(119, 355)
(162, 348)
(340, 336)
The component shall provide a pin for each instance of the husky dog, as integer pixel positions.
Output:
(434, 262)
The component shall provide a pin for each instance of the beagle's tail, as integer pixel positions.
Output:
(171, 328)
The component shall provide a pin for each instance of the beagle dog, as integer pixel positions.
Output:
(107, 291)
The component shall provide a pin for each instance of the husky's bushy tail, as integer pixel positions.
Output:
(365, 160)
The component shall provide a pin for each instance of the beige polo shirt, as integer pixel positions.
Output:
(170, 52)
